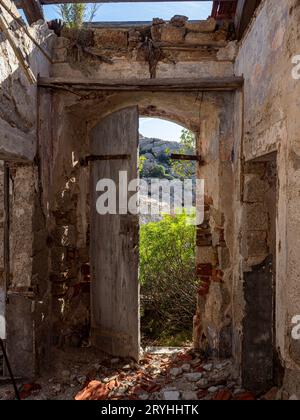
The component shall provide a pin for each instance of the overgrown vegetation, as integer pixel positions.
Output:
(74, 15)
(185, 169)
(168, 280)
(166, 168)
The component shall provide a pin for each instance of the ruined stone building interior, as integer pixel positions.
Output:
(69, 277)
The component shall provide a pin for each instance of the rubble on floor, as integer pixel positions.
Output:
(161, 374)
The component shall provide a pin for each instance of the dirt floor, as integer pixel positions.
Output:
(161, 374)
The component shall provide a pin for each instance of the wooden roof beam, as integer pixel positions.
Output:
(32, 8)
(152, 85)
(45, 2)
(244, 13)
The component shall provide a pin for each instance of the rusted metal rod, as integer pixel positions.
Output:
(196, 158)
(92, 158)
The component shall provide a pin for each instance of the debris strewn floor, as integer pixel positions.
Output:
(161, 374)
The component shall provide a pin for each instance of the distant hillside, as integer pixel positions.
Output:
(157, 154)
(157, 164)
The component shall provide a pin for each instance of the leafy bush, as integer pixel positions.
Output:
(185, 169)
(74, 14)
(157, 171)
(168, 280)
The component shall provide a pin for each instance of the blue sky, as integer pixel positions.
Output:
(160, 129)
(149, 127)
(144, 11)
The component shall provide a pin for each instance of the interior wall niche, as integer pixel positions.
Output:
(259, 255)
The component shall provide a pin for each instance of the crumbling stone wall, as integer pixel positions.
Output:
(269, 108)
(213, 321)
(115, 53)
(178, 48)
(26, 304)
(2, 279)
(69, 208)
(18, 117)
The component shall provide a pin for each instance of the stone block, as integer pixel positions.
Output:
(172, 34)
(20, 336)
(223, 257)
(207, 255)
(255, 217)
(208, 25)
(217, 217)
(179, 20)
(198, 38)
(156, 33)
(254, 243)
(257, 168)
(218, 237)
(134, 38)
(111, 38)
(60, 55)
(61, 42)
(255, 189)
(229, 52)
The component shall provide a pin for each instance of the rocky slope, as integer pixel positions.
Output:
(157, 153)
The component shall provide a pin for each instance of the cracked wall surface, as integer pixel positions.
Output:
(242, 233)
(18, 117)
(269, 106)
(25, 304)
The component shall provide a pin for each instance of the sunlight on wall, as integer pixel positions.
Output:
(2, 327)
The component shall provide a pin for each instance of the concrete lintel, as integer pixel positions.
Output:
(16, 145)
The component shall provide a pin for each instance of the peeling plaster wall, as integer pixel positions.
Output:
(85, 54)
(271, 123)
(141, 52)
(213, 321)
(68, 191)
(18, 117)
(27, 307)
(2, 285)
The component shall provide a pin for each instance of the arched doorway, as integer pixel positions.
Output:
(114, 239)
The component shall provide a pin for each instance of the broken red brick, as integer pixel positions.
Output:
(245, 396)
(271, 395)
(203, 289)
(223, 395)
(112, 384)
(94, 391)
(184, 357)
(202, 394)
(204, 269)
(27, 390)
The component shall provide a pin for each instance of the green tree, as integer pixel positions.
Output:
(75, 14)
(185, 169)
(168, 278)
(141, 163)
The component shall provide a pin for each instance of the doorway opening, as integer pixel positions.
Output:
(260, 367)
(167, 234)
(143, 277)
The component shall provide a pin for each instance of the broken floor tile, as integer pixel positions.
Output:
(189, 395)
(186, 367)
(193, 376)
(175, 372)
(171, 395)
